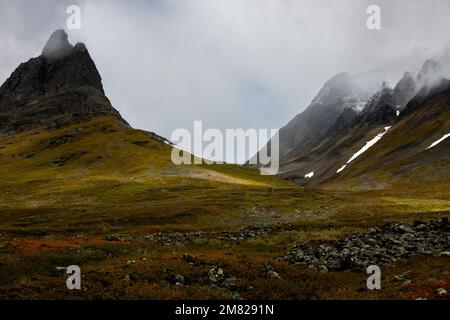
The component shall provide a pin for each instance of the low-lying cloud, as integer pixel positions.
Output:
(229, 63)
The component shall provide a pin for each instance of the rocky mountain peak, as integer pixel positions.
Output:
(430, 66)
(385, 86)
(405, 90)
(338, 88)
(59, 87)
(59, 68)
(430, 74)
(381, 100)
(339, 79)
(57, 46)
(406, 76)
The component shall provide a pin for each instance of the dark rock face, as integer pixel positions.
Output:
(59, 87)
(342, 118)
(429, 84)
(337, 102)
(347, 134)
(405, 90)
(57, 46)
(430, 74)
(380, 246)
(380, 109)
(439, 89)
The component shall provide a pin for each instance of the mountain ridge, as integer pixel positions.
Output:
(59, 87)
(328, 150)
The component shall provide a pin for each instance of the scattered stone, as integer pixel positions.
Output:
(402, 277)
(190, 259)
(441, 292)
(236, 296)
(322, 268)
(217, 277)
(179, 279)
(61, 269)
(175, 278)
(384, 245)
(130, 277)
(113, 238)
(57, 272)
(272, 274)
(216, 274)
(242, 234)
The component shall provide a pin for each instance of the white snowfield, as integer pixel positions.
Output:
(342, 168)
(434, 144)
(309, 175)
(365, 148)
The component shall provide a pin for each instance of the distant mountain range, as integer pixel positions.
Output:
(349, 137)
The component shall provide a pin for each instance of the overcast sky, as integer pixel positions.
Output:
(230, 63)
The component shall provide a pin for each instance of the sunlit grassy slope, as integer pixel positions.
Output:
(104, 150)
(64, 192)
(103, 170)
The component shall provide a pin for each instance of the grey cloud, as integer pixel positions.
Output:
(230, 63)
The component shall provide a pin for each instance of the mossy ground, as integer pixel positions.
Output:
(62, 192)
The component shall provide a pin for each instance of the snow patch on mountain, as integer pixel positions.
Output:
(341, 168)
(352, 102)
(365, 148)
(360, 106)
(434, 144)
(309, 175)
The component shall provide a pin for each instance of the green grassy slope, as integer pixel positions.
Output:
(104, 170)
(64, 192)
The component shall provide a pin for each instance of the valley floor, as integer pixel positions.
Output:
(211, 244)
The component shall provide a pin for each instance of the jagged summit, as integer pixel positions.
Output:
(430, 74)
(405, 90)
(339, 79)
(347, 113)
(430, 66)
(341, 85)
(60, 87)
(57, 46)
(380, 108)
